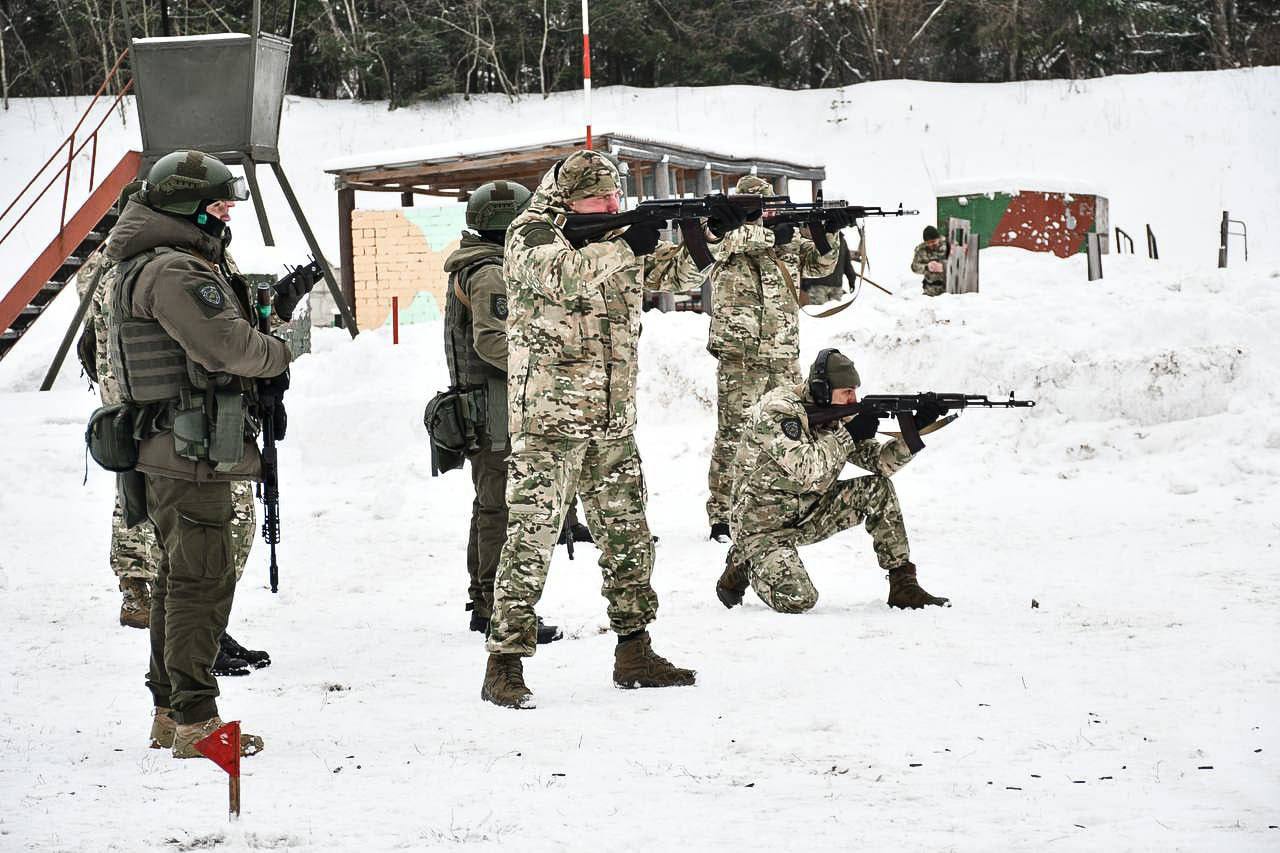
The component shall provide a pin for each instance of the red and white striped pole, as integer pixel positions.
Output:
(586, 67)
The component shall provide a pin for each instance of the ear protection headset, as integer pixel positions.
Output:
(819, 385)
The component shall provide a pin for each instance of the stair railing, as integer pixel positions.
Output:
(73, 151)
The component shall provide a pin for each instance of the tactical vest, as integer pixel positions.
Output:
(207, 412)
(466, 368)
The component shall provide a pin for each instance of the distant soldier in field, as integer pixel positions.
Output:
(787, 493)
(572, 338)
(930, 260)
(755, 330)
(475, 348)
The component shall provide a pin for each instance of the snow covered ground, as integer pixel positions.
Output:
(1133, 709)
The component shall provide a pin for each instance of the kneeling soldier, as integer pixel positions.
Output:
(786, 493)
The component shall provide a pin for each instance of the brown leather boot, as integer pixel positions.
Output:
(162, 728)
(636, 664)
(733, 581)
(905, 591)
(135, 603)
(187, 735)
(504, 682)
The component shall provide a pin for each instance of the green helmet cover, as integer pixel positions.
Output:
(493, 206)
(179, 181)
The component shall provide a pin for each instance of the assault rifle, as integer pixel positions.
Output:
(581, 228)
(904, 407)
(268, 401)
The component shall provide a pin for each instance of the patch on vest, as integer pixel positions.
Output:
(537, 234)
(791, 428)
(498, 305)
(211, 295)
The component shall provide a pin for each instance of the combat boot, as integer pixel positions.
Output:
(733, 582)
(636, 664)
(254, 658)
(905, 591)
(504, 682)
(187, 735)
(226, 664)
(162, 728)
(581, 533)
(135, 603)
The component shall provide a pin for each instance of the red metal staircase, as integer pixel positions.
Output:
(78, 235)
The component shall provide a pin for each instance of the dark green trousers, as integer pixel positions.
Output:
(488, 526)
(191, 597)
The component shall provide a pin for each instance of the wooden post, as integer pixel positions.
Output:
(233, 783)
(1093, 250)
(703, 184)
(346, 253)
(395, 319)
(406, 199)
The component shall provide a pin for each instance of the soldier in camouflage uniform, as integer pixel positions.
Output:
(755, 331)
(475, 348)
(786, 493)
(572, 336)
(930, 260)
(133, 549)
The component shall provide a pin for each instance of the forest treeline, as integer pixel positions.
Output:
(410, 50)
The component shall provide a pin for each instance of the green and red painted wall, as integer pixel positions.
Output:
(1039, 221)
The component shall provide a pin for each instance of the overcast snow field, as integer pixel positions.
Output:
(1134, 709)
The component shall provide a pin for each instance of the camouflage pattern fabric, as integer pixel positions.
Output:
(786, 494)
(573, 329)
(739, 386)
(935, 283)
(544, 471)
(820, 294)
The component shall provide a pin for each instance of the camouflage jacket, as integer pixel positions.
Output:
(784, 466)
(573, 323)
(754, 291)
(921, 258)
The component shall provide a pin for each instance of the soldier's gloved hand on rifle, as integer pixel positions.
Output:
(725, 217)
(274, 389)
(291, 290)
(862, 427)
(837, 219)
(641, 237)
(927, 414)
(783, 234)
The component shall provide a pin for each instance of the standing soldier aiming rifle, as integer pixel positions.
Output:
(186, 354)
(755, 330)
(572, 337)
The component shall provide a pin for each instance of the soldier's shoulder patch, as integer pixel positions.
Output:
(498, 305)
(791, 428)
(211, 295)
(537, 234)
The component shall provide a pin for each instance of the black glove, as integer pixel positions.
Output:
(279, 420)
(291, 290)
(641, 237)
(927, 414)
(835, 220)
(783, 234)
(863, 426)
(725, 217)
(275, 386)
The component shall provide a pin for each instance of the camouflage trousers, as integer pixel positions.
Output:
(543, 474)
(134, 552)
(821, 294)
(934, 288)
(777, 574)
(738, 386)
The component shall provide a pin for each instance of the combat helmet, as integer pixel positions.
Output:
(493, 206)
(179, 181)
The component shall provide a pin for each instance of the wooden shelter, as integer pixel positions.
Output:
(378, 255)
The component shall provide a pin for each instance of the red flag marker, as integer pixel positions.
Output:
(223, 749)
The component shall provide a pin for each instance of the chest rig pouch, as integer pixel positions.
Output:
(205, 411)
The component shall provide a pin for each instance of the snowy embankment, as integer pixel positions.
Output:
(1133, 709)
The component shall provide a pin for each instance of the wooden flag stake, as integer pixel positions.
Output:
(222, 747)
